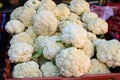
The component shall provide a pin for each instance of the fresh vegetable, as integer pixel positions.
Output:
(28, 69)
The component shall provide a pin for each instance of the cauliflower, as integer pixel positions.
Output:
(65, 23)
(45, 23)
(79, 6)
(33, 4)
(21, 37)
(98, 67)
(49, 70)
(72, 62)
(46, 5)
(30, 32)
(24, 14)
(38, 41)
(89, 49)
(88, 16)
(20, 52)
(49, 52)
(92, 37)
(64, 12)
(14, 26)
(72, 19)
(108, 52)
(75, 35)
(98, 26)
(28, 69)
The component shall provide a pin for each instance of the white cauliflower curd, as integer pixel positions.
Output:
(89, 49)
(46, 5)
(20, 52)
(75, 35)
(28, 69)
(88, 16)
(72, 62)
(14, 26)
(64, 11)
(73, 19)
(98, 67)
(108, 52)
(22, 37)
(97, 26)
(51, 46)
(79, 6)
(49, 70)
(33, 4)
(92, 37)
(31, 32)
(24, 14)
(45, 23)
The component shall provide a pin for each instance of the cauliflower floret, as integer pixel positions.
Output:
(98, 67)
(88, 16)
(75, 35)
(30, 32)
(89, 49)
(65, 23)
(98, 26)
(72, 62)
(72, 19)
(22, 37)
(46, 5)
(45, 23)
(64, 11)
(27, 70)
(14, 26)
(37, 42)
(79, 6)
(24, 14)
(49, 70)
(20, 52)
(33, 4)
(92, 37)
(51, 46)
(108, 52)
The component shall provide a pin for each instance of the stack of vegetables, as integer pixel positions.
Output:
(59, 40)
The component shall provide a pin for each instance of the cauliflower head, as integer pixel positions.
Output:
(20, 52)
(45, 23)
(72, 62)
(31, 32)
(24, 14)
(33, 4)
(75, 35)
(38, 41)
(49, 70)
(79, 6)
(46, 5)
(98, 67)
(28, 69)
(22, 37)
(88, 16)
(64, 11)
(108, 52)
(92, 37)
(89, 49)
(72, 19)
(51, 46)
(98, 26)
(14, 26)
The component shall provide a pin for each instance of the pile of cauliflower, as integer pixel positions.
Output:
(51, 40)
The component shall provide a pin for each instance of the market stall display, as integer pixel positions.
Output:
(66, 43)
